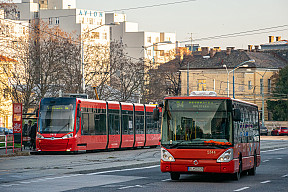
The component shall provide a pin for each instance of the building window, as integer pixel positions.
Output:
(201, 86)
(269, 85)
(50, 20)
(18, 15)
(157, 39)
(162, 53)
(105, 36)
(249, 85)
(95, 35)
(57, 20)
(261, 86)
(149, 52)
(36, 14)
(91, 21)
(149, 39)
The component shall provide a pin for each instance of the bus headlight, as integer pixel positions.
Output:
(67, 136)
(226, 156)
(166, 156)
(39, 136)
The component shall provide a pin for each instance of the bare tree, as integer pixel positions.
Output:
(166, 79)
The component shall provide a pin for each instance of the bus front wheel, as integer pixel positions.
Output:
(175, 176)
(237, 175)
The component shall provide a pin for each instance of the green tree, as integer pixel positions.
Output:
(279, 105)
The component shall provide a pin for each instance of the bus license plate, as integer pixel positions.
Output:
(196, 169)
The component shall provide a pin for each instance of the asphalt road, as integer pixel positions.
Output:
(272, 175)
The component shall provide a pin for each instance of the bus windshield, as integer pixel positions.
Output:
(56, 117)
(196, 122)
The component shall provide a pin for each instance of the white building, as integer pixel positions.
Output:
(155, 47)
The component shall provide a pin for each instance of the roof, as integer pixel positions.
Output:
(263, 60)
(282, 42)
(6, 59)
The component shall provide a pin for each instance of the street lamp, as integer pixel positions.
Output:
(236, 67)
(82, 50)
(262, 94)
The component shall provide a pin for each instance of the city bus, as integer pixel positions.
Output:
(204, 133)
(80, 125)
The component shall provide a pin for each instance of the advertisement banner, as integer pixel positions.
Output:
(17, 117)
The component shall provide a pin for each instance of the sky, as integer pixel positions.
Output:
(204, 18)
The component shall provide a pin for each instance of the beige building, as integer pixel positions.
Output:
(214, 72)
(5, 101)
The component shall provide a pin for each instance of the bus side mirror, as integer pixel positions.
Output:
(37, 112)
(78, 111)
(236, 115)
(156, 114)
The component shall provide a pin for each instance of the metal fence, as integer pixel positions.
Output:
(6, 139)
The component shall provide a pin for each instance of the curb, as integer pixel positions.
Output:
(20, 153)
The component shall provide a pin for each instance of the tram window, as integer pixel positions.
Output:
(84, 123)
(139, 122)
(150, 123)
(100, 124)
(127, 122)
(91, 124)
(114, 122)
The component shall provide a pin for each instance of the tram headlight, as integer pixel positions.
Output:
(67, 136)
(39, 136)
(226, 156)
(166, 156)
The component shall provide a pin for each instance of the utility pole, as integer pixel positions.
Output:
(188, 67)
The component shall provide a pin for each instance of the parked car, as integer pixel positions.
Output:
(263, 131)
(280, 131)
(2, 130)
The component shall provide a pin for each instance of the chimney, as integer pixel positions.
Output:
(212, 52)
(232, 48)
(217, 49)
(250, 48)
(205, 50)
(256, 48)
(228, 51)
(271, 39)
(278, 38)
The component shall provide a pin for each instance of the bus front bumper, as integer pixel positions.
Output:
(198, 166)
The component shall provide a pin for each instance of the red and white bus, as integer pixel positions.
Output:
(209, 134)
(74, 124)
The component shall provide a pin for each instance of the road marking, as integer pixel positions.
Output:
(263, 182)
(24, 182)
(273, 150)
(241, 189)
(279, 158)
(10, 185)
(127, 187)
(119, 170)
(265, 161)
(166, 180)
(285, 175)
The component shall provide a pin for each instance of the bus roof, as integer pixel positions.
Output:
(206, 97)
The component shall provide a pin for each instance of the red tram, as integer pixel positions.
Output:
(74, 124)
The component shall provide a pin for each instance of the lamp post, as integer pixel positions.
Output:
(236, 67)
(82, 50)
(262, 94)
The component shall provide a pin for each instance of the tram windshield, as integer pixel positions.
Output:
(56, 116)
(196, 122)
